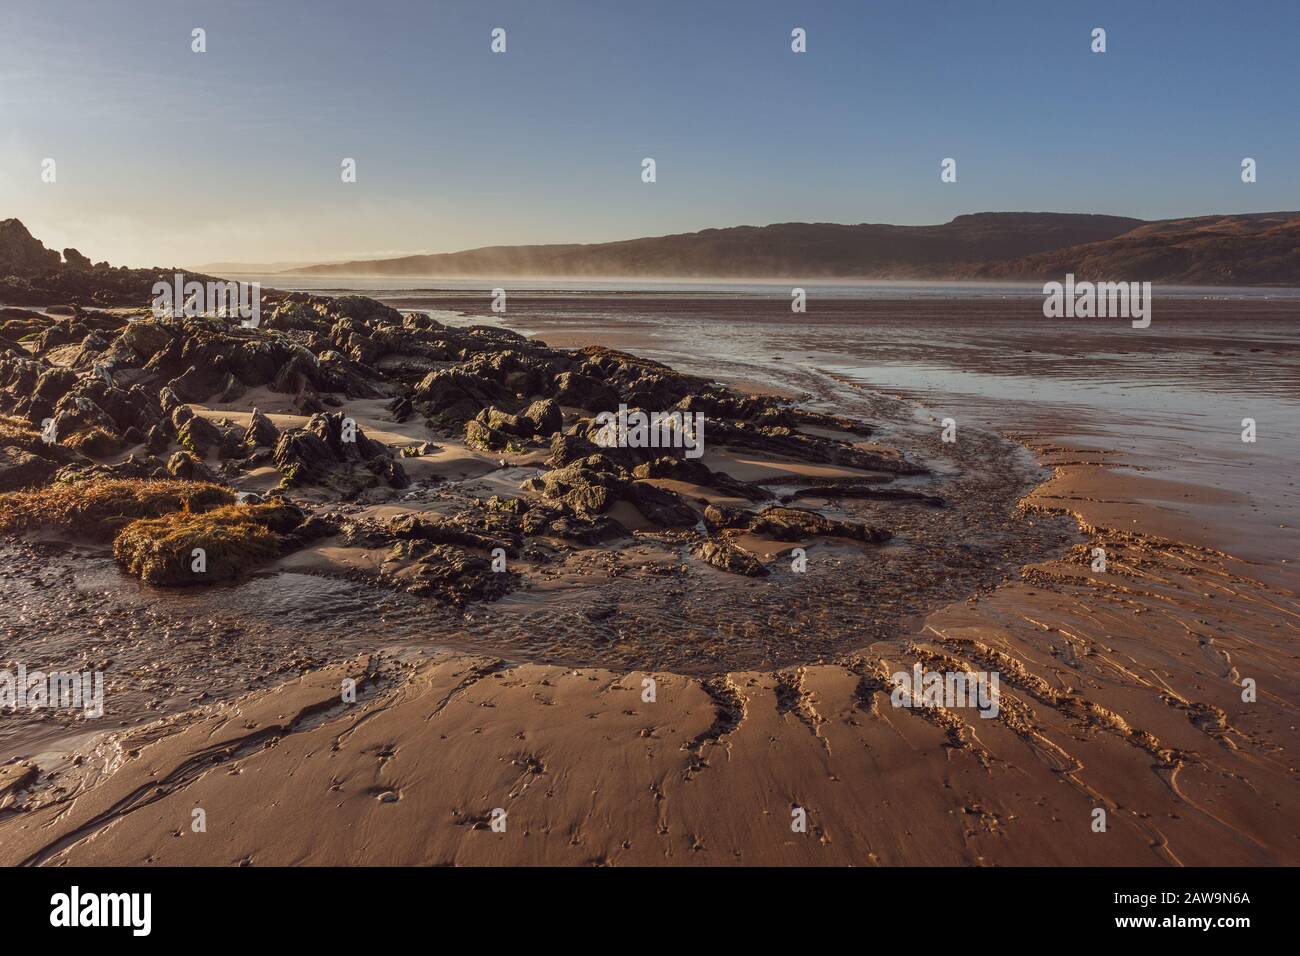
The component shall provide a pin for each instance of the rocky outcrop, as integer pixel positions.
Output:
(32, 274)
(494, 430)
(796, 524)
(261, 432)
(21, 254)
(118, 389)
(695, 472)
(589, 486)
(333, 452)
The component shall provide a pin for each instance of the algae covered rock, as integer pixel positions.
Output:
(205, 547)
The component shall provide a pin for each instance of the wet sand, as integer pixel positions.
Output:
(1121, 690)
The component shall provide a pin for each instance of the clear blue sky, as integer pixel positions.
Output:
(167, 156)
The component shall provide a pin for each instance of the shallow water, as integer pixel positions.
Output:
(1169, 400)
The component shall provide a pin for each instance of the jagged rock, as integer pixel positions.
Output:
(783, 441)
(544, 417)
(484, 437)
(95, 442)
(195, 385)
(445, 572)
(583, 391)
(515, 516)
(168, 401)
(401, 409)
(198, 435)
(694, 472)
(54, 383)
(453, 396)
(23, 254)
(588, 531)
(728, 557)
(91, 351)
(145, 337)
(640, 382)
(592, 485)
(577, 445)
(319, 454)
(261, 432)
(184, 465)
(588, 487)
(313, 528)
(231, 389)
(132, 378)
(419, 451)
(156, 439)
(75, 413)
(796, 524)
(308, 403)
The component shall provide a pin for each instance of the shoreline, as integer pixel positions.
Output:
(705, 760)
(1119, 692)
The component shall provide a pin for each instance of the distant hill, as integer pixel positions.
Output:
(785, 250)
(1252, 249)
(247, 268)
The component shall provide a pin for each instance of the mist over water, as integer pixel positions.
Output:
(435, 288)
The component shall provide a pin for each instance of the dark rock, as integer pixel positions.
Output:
(21, 469)
(441, 531)
(198, 435)
(692, 471)
(231, 389)
(261, 432)
(864, 493)
(660, 506)
(588, 487)
(194, 385)
(449, 573)
(322, 454)
(582, 391)
(718, 517)
(796, 524)
(728, 557)
(184, 465)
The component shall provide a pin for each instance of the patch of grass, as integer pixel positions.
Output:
(230, 538)
(99, 509)
(17, 432)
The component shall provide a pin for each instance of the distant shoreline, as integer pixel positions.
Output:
(873, 289)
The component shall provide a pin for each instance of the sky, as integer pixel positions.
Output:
(165, 156)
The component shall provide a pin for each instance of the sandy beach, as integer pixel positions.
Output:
(631, 705)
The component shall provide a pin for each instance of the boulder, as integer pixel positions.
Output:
(728, 557)
(261, 432)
